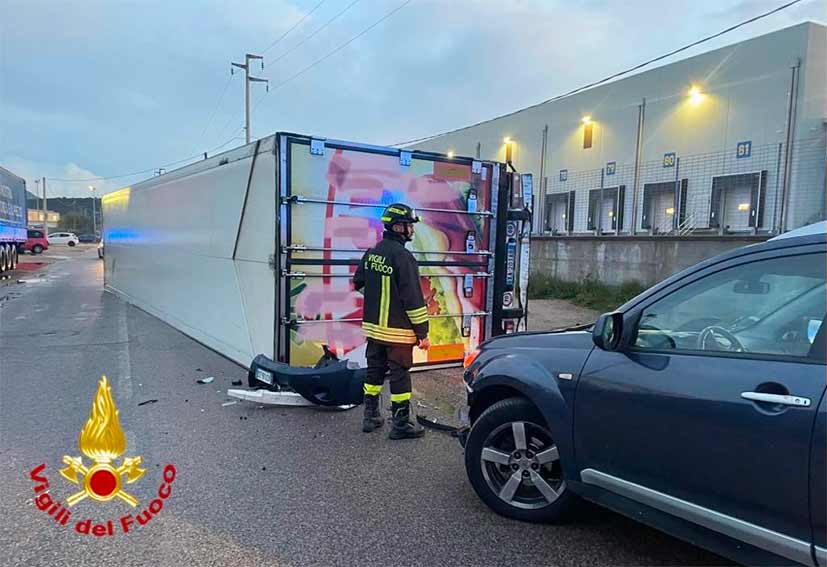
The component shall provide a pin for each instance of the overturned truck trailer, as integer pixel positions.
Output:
(252, 251)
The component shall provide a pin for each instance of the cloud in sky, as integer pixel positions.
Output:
(110, 87)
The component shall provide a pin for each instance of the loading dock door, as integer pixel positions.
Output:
(558, 208)
(738, 201)
(606, 209)
(661, 204)
(332, 195)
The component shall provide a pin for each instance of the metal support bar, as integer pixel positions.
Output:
(287, 274)
(303, 248)
(299, 199)
(287, 321)
(788, 155)
(641, 117)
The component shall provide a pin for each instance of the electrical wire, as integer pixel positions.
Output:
(134, 173)
(294, 26)
(332, 52)
(616, 75)
(292, 49)
(217, 107)
(313, 34)
(281, 84)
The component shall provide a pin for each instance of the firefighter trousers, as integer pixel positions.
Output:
(393, 362)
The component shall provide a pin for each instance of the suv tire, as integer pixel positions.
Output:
(514, 465)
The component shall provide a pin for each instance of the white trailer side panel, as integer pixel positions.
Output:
(192, 248)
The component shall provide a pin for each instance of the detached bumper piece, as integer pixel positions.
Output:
(330, 384)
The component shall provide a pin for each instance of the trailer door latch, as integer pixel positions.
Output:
(404, 158)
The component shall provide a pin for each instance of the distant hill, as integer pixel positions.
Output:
(63, 205)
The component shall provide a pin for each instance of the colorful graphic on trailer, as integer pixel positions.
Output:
(354, 186)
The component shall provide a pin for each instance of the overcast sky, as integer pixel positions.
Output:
(100, 88)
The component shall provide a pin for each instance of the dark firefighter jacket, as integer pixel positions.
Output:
(394, 310)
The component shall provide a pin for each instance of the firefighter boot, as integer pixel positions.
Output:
(373, 419)
(403, 427)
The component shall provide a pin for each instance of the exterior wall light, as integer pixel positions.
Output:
(695, 95)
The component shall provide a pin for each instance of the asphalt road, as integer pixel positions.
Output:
(254, 486)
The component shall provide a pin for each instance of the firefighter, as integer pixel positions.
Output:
(395, 319)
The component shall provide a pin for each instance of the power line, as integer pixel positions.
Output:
(217, 107)
(134, 173)
(294, 76)
(336, 50)
(323, 26)
(616, 75)
(339, 48)
(294, 26)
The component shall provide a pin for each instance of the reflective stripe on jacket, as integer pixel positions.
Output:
(394, 309)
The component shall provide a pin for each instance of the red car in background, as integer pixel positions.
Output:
(36, 242)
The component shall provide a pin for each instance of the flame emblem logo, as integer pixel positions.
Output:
(103, 441)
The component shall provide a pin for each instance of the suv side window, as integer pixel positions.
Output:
(35, 234)
(774, 306)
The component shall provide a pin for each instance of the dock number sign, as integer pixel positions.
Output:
(669, 159)
(743, 149)
(611, 167)
(564, 174)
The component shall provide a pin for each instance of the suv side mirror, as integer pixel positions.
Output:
(607, 331)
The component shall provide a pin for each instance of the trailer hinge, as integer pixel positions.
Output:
(316, 147)
(288, 274)
(273, 262)
(476, 167)
(405, 158)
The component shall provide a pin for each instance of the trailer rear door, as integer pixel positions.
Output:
(331, 197)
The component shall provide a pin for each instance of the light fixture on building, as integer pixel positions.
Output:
(563, 216)
(611, 214)
(670, 211)
(450, 154)
(743, 207)
(509, 147)
(695, 94)
(586, 119)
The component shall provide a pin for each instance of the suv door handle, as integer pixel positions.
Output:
(784, 400)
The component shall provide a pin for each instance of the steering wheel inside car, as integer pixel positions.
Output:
(714, 332)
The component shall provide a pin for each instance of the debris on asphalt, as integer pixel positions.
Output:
(225, 404)
(236, 382)
(264, 468)
(145, 402)
(432, 423)
(242, 417)
(206, 380)
(198, 370)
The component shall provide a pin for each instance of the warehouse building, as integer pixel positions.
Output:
(726, 143)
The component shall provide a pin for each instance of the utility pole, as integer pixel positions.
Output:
(38, 195)
(94, 212)
(247, 80)
(45, 210)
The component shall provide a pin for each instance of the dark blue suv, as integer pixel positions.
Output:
(696, 408)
